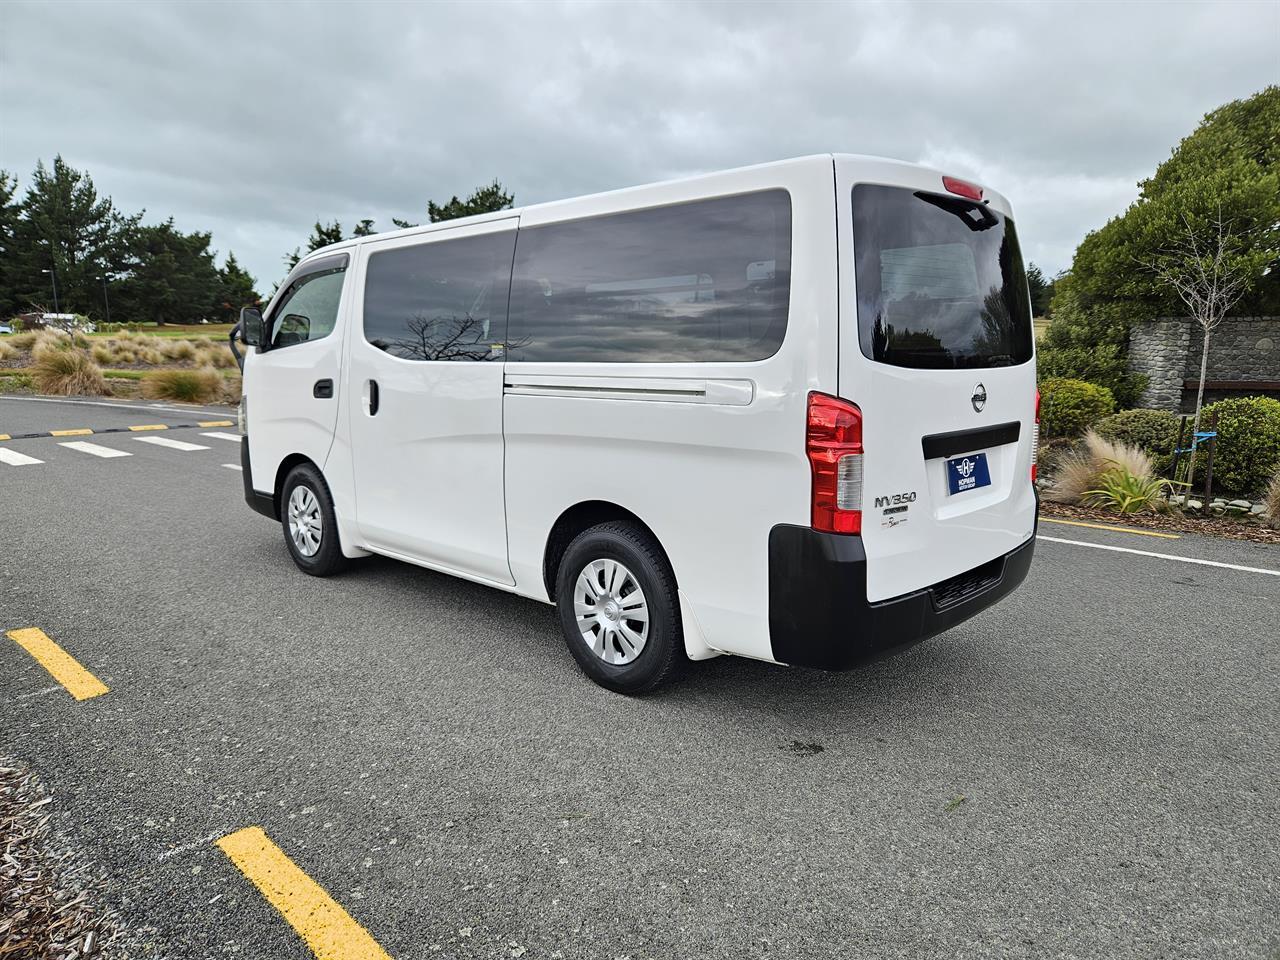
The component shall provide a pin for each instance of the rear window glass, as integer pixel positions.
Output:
(702, 281)
(940, 281)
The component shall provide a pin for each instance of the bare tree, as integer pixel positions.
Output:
(1206, 267)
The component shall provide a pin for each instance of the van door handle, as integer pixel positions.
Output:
(323, 390)
(373, 397)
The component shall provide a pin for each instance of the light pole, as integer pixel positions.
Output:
(54, 277)
(105, 299)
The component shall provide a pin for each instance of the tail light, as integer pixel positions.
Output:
(1035, 440)
(833, 443)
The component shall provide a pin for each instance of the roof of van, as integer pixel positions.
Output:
(811, 159)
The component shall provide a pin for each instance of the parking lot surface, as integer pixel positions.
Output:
(1086, 770)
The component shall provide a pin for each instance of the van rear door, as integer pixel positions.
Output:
(936, 348)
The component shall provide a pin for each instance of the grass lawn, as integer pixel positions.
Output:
(1040, 323)
(215, 331)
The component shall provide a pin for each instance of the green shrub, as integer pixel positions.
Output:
(1069, 407)
(194, 386)
(1247, 451)
(1103, 364)
(1154, 431)
(1124, 492)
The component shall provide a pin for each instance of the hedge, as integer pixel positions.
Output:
(1247, 451)
(1069, 407)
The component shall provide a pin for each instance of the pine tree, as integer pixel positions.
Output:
(65, 227)
(9, 211)
(236, 289)
(482, 200)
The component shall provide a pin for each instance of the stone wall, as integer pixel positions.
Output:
(1158, 350)
(1167, 352)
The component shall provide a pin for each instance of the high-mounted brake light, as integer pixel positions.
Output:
(1035, 440)
(962, 188)
(833, 443)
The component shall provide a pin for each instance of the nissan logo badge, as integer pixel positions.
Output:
(979, 398)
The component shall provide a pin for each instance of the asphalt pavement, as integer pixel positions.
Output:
(1087, 769)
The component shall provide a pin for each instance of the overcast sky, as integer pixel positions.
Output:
(252, 120)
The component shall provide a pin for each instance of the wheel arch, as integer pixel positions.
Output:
(577, 518)
(282, 471)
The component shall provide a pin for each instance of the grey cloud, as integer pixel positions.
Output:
(254, 120)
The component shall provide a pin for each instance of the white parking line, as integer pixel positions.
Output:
(223, 436)
(93, 449)
(16, 459)
(171, 444)
(233, 466)
(1162, 556)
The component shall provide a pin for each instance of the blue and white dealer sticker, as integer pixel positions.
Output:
(967, 473)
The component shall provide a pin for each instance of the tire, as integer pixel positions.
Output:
(306, 515)
(612, 657)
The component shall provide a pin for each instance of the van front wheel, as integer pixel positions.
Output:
(310, 528)
(619, 609)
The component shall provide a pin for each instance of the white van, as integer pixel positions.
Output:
(787, 412)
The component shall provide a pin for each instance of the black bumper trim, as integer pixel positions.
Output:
(263, 503)
(819, 615)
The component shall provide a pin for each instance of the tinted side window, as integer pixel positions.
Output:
(309, 308)
(702, 281)
(443, 300)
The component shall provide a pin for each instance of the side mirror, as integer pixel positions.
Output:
(252, 327)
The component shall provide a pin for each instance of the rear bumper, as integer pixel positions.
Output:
(819, 615)
(263, 503)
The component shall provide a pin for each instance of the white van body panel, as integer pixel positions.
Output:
(711, 471)
(428, 466)
(943, 535)
(290, 420)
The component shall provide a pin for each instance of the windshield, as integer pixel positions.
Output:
(940, 281)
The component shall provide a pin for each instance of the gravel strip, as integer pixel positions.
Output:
(47, 892)
(1170, 522)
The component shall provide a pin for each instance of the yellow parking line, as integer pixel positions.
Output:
(325, 927)
(216, 423)
(151, 426)
(80, 683)
(1103, 526)
(83, 432)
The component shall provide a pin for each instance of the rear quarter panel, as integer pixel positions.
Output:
(709, 477)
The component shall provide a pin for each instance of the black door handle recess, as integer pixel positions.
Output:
(323, 390)
(373, 397)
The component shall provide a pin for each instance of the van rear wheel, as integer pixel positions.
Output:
(310, 527)
(619, 608)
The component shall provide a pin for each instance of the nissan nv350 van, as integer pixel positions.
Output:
(787, 412)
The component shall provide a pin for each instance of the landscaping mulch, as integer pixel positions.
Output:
(47, 892)
(1169, 522)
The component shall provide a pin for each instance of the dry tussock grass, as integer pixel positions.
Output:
(1272, 499)
(202, 385)
(24, 341)
(7, 352)
(178, 349)
(64, 371)
(1078, 473)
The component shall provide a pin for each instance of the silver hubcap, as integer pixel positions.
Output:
(611, 611)
(306, 526)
